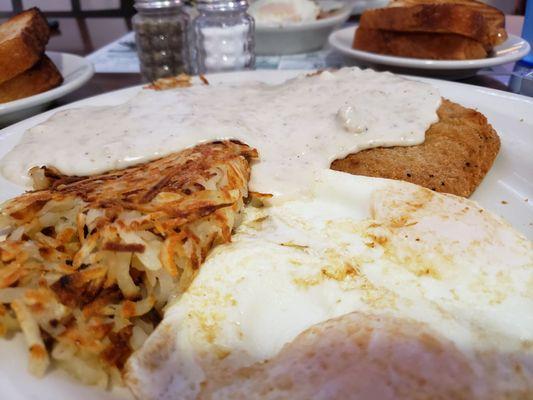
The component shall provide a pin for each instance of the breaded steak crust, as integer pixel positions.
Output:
(457, 153)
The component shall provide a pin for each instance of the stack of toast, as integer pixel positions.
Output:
(24, 68)
(432, 29)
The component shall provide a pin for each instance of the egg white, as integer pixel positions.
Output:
(357, 244)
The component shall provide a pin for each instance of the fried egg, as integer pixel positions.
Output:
(283, 12)
(388, 250)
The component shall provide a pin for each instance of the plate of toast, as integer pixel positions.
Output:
(444, 38)
(31, 77)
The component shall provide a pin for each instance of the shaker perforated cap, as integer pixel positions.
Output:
(154, 4)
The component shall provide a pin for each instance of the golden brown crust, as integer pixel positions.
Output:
(131, 188)
(469, 18)
(457, 153)
(434, 46)
(41, 77)
(22, 42)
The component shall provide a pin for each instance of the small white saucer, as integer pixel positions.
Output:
(300, 37)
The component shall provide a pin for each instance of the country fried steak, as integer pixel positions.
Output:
(456, 155)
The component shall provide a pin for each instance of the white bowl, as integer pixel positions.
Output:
(298, 38)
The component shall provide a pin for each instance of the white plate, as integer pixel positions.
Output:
(510, 180)
(513, 49)
(298, 38)
(75, 70)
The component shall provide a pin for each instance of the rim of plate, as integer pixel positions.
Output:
(513, 49)
(83, 71)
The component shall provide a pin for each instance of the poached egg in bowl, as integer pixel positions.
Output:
(283, 12)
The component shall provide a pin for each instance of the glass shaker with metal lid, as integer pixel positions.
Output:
(161, 35)
(224, 36)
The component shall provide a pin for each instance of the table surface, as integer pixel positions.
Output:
(85, 37)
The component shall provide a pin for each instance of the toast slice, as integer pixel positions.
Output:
(457, 153)
(22, 42)
(469, 18)
(434, 46)
(41, 77)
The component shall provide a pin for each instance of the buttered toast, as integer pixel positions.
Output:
(41, 77)
(438, 29)
(469, 18)
(418, 44)
(22, 42)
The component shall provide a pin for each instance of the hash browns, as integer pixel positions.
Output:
(457, 153)
(89, 263)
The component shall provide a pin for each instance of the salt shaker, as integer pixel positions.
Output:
(223, 36)
(161, 35)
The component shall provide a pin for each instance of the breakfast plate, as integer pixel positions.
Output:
(507, 190)
(75, 70)
(513, 49)
(300, 37)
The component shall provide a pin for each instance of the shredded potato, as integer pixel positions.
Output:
(89, 263)
(30, 327)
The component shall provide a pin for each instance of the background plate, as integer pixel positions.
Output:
(76, 71)
(513, 49)
(507, 190)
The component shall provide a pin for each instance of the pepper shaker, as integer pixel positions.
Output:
(224, 36)
(161, 35)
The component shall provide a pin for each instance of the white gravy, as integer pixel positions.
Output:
(298, 127)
